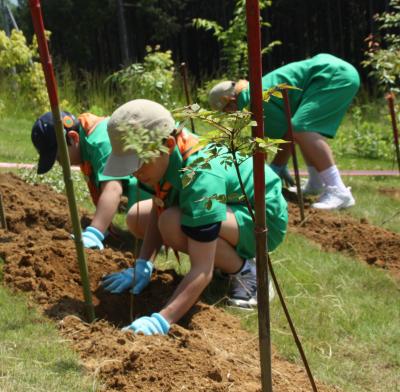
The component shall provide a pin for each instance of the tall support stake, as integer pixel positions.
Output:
(294, 155)
(184, 74)
(62, 151)
(390, 100)
(123, 33)
(255, 70)
(3, 220)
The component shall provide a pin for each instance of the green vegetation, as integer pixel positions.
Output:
(346, 314)
(383, 54)
(233, 39)
(33, 356)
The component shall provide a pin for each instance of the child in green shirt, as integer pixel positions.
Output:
(88, 146)
(327, 86)
(220, 236)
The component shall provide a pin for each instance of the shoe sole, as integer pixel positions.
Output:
(350, 203)
(251, 304)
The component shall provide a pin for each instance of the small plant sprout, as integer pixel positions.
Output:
(146, 146)
(229, 139)
(276, 91)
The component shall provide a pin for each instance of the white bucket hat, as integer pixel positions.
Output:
(219, 94)
(136, 114)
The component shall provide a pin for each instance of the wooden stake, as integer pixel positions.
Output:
(390, 100)
(294, 155)
(51, 85)
(2, 214)
(184, 74)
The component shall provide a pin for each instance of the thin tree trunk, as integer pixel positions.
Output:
(123, 35)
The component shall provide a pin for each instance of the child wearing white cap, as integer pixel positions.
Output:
(217, 236)
(327, 86)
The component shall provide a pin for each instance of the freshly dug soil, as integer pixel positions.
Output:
(207, 351)
(354, 237)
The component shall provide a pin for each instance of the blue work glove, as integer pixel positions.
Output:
(92, 238)
(283, 172)
(119, 282)
(153, 325)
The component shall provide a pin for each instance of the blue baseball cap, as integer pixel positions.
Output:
(44, 138)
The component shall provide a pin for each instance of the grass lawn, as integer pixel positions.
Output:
(33, 355)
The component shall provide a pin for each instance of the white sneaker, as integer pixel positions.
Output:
(307, 189)
(333, 198)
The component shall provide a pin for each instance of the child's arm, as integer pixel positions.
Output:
(202, 255)
(107, 205)
(106, 208)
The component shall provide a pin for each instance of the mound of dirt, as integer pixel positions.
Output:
(207, 351)
(343, 233)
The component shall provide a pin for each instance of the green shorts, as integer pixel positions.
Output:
(246, 247)
(325, 101)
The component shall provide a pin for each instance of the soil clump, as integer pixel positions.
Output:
(207, 351)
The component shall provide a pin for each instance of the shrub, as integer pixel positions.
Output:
(153, 79)
(23, 74)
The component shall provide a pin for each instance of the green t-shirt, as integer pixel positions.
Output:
(219, 180)
(328, 85)
(95, 149)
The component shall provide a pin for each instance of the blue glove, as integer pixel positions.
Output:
(153, 325)
(119, 282)
(283, 172)
(93, 238)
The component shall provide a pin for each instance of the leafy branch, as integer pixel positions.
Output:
(148, 145)
(230, 141)
(276, 91)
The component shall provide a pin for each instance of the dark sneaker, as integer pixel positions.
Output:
(243, 290)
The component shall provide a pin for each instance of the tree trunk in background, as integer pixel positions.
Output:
(5, 18)
(123, 34)
(84, 31)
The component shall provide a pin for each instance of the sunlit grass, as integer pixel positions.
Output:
(33, 355)
(346, 313)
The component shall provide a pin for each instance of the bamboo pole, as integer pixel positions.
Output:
(390, 100)
(255, 70)
(62, 151)
(294, 155)
(184, 74)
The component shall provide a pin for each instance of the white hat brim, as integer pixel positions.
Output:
(121, 165)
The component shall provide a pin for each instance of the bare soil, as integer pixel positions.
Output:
(354, 237)
(207, 351)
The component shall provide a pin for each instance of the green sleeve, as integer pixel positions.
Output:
(98, 155)
(194, 211)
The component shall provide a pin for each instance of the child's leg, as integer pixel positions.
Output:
(226, 257)
(138, 217)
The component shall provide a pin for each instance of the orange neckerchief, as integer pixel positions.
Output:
(186, 143)
(88, 123)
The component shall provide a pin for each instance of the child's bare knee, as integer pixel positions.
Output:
(132, 220)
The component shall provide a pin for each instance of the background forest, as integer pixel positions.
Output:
(100, 35)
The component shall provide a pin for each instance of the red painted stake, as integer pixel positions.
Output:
(184, 74)
(47, 65)
(390, 100)
(255, 68)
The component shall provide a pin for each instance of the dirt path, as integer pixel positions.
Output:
(208, 351)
